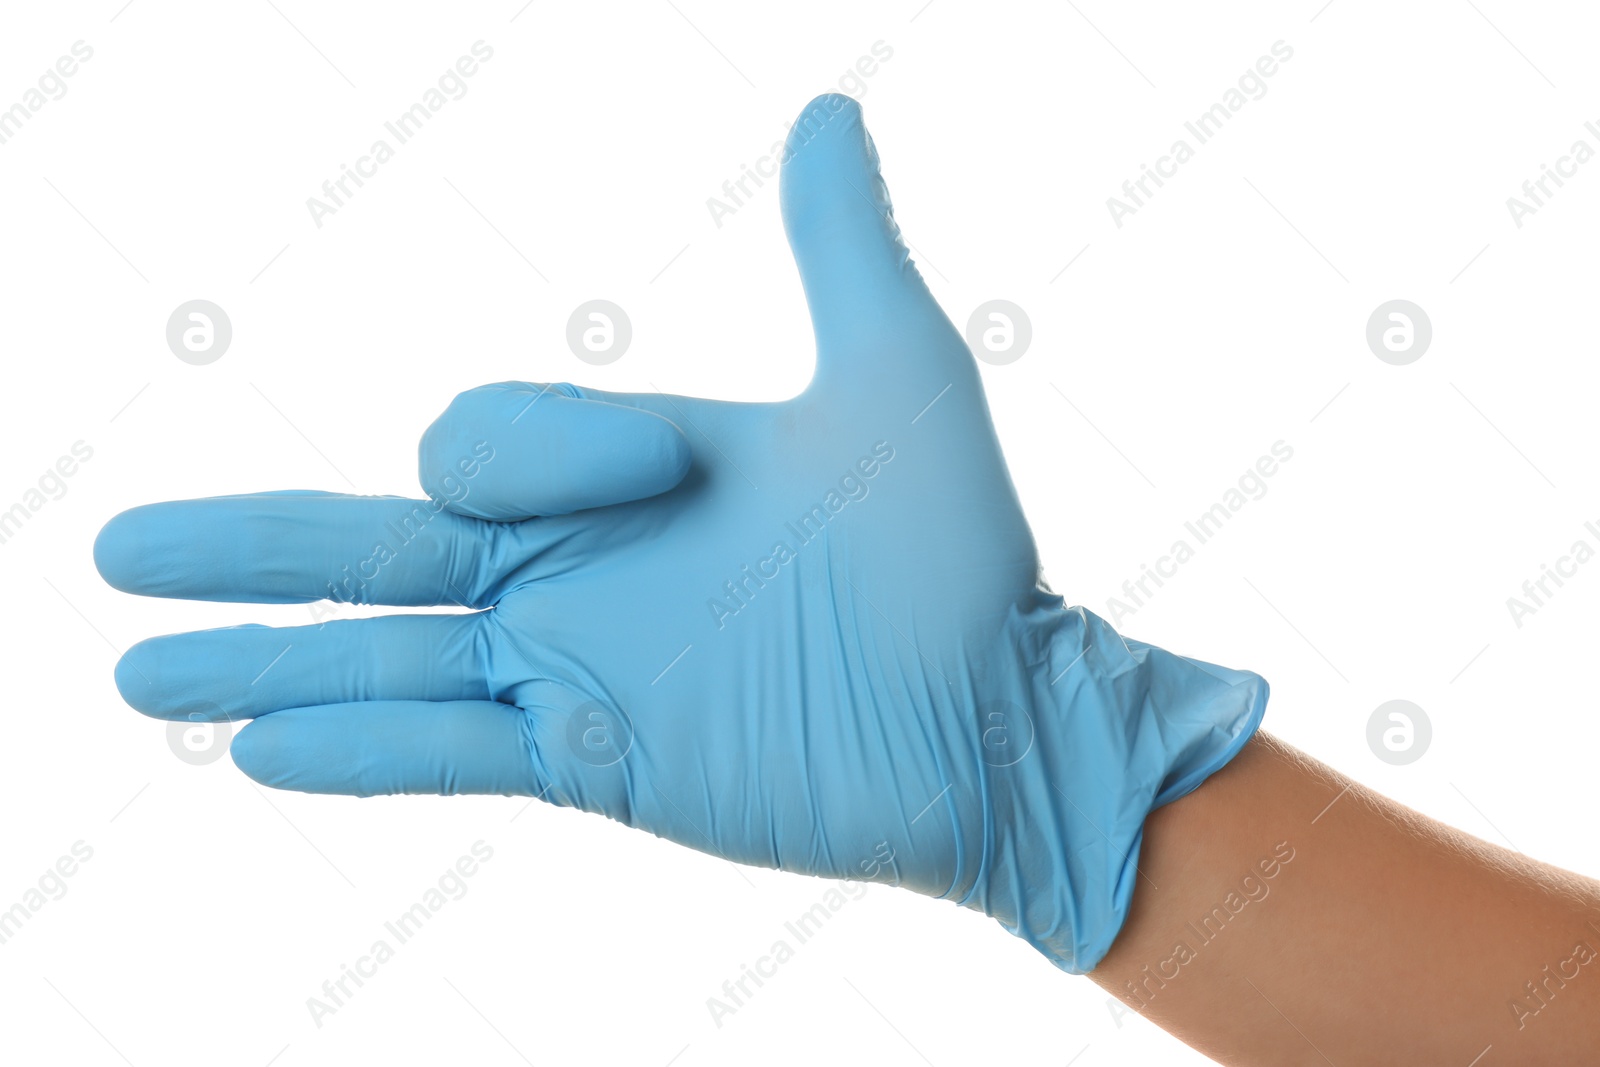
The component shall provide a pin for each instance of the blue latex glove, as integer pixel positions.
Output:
(809, 635)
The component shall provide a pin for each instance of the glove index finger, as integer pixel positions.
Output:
(295, 548)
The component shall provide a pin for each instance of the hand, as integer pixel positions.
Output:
(809, 635)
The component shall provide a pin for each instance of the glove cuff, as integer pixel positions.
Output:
(1117, 728)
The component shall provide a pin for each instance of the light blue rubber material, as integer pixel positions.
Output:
(810, 635)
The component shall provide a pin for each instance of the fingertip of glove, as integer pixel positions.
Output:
(672, 454)
(831, 104)
(826, 123)
(251, 750)
(120, 549)
(133, 677)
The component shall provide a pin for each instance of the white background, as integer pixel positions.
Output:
(1227, 314)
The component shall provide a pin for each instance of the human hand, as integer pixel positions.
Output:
(810, 635)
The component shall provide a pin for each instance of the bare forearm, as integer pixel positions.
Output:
(1285, 915)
